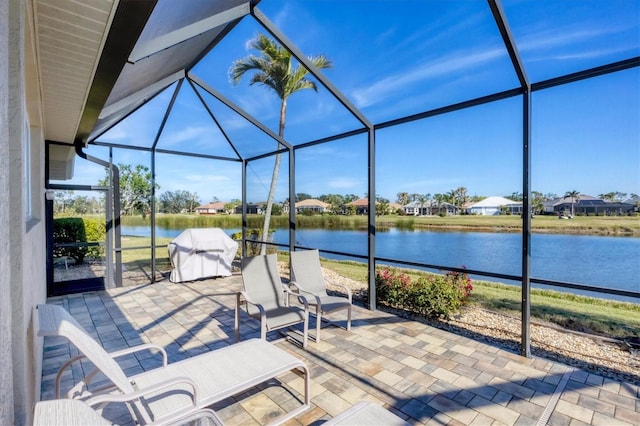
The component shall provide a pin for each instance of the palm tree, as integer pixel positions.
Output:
(383, 207)
(440, 200)
(427, 199)
(575, 198)
(275, 69)
(402, 198)
(537, 202)
(422, 200)
(452, 199)
(461, 196)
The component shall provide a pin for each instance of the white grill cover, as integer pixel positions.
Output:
(200, 253)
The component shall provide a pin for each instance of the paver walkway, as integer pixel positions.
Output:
(422, 374)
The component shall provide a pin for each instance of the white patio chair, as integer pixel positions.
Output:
(308, 279)
(173, 391)
(266, 299)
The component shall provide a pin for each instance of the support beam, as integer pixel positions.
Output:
(590, 73)
(509, 43)
(215, 119)
(371, 240)
(141, 95)
(163, 42)
(219, 96)
(516, 61)
(292, 200)
(525, 345)
(130, 19)
(153, 177)
(113, 222)
(313, 70)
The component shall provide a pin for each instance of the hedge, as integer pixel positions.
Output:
(78, 230)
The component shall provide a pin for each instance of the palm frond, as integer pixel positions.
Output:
(275, 68)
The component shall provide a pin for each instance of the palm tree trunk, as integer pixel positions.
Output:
(274, 181)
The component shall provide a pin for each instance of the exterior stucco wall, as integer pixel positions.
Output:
(485, 211)
(22, 235)
(6, 378)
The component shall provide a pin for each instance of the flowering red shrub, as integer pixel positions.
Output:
(434, 296)
(392, 287)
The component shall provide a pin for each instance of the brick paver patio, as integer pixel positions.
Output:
(422, 374)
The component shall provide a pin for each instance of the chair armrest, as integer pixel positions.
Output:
(148, 392)
(248, 300)
(140, 348)
(61, 370)
(263, 313)
(346, 289)
(158, 387)
(289, 292)
(115, 354)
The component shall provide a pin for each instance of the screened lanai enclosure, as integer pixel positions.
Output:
(420, 97)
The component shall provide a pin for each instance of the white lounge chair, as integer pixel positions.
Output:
(308, 279)
(68, 412)
(366, 413)
(175, 390)
(266, 298)
(73, 412)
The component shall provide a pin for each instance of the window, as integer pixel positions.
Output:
(26, 170)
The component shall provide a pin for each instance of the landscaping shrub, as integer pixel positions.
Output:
(95, 230)
(69, 230)
(392, 287)
(78, 230)
(433, 296)
(254, 238)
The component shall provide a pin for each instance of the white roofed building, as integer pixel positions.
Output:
(494, 206)
(313, 205)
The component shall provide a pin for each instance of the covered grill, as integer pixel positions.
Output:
(200, 253)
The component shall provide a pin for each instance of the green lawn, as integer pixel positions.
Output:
(586, 314)
(136, 258)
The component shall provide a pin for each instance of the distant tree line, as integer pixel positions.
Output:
(68, 203)
(178, 202)
(135, 196)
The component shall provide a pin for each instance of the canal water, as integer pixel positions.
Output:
(599, 261)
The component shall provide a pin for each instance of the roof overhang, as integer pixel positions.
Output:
(171, 41)
(70, 37)
(99, 61)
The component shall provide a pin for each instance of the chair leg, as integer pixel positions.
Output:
(349, 318)
(318, 323)
(263, 329)
(237, 318)
(305, 334)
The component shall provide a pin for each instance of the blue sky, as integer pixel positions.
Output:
(396, 58)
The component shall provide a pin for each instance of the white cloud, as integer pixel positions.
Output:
(260, 102)
(186, 134)
(588, 53)
(578, 41)
(233, 121)
(118, 133)
(207, 178)
(459, 61)
(206, 186)
(344, 183)
(553, 38)
(283, 16)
